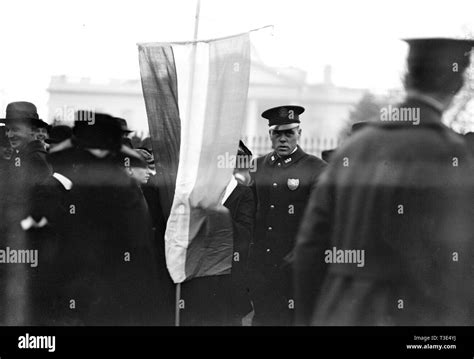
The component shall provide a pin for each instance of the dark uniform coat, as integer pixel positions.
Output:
(402, 192)
(282, 187)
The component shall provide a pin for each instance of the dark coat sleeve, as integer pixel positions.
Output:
(312, 240)
(242, 209)
(243, 222)
(38, 168)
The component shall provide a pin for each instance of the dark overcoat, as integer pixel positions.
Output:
(105, 258)
(241, 206)
(402, 193)
(25, 171)
(167, 297)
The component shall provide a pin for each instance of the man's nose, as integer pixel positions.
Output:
(9, 134)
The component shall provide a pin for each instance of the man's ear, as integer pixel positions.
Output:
(299, 131)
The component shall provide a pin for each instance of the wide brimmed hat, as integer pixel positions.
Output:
(97, 130)
(22, 111)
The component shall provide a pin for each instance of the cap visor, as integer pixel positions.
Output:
(288, 126)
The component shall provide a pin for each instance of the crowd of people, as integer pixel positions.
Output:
(79, 198)
(381, 233)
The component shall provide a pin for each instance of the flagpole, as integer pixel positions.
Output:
(196, 20)
(195, 37)
(178, 298)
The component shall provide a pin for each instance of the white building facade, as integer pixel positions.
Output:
(327, 106)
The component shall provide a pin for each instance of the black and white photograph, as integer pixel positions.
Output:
(237, 167)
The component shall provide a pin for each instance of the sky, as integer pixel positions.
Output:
(97, 39)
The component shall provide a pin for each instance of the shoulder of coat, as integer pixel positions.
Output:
(315, 161)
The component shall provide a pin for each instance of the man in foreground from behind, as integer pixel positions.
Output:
(387, 238)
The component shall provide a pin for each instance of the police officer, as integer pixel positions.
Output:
(282, 182)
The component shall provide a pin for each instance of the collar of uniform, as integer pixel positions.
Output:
(287, 160)
(429, 115)
(425, 99)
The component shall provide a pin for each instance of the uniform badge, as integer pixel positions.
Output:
(293, 183)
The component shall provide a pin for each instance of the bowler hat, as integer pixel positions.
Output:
(42, 124)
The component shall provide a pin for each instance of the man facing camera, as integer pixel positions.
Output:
(282, 183)
(27, 168)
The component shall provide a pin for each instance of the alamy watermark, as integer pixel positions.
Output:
(228, 160)
(28, 341)
(19, 256)
(345, 256)
(400, 114)
(71, 114)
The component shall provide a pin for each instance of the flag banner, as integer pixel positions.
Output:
(195, 96)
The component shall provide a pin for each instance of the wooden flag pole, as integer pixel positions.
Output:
(178, 298)
(196, 31)
(196, 20)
